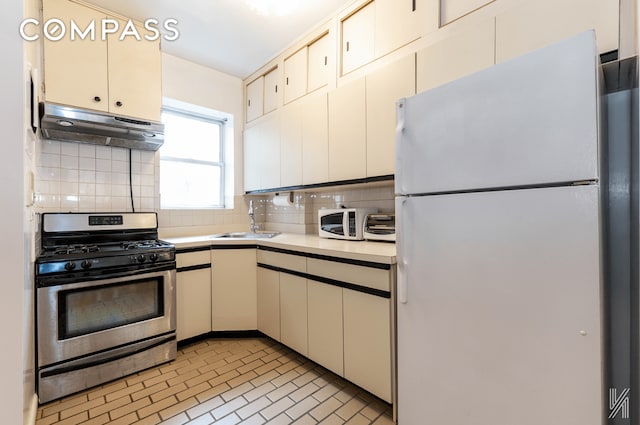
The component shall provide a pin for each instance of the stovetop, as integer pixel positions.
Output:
(103, 249)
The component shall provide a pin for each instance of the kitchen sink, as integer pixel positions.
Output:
(245, 235)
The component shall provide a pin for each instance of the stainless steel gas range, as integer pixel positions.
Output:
(105, 300)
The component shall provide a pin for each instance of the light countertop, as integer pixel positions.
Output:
(378, 252)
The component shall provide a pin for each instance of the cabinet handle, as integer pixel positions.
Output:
(276, 88)
(249, 103)
(118, 104)
(347, 46)
(97, 99)
(287, 80)
(413, 5)
(325, 61)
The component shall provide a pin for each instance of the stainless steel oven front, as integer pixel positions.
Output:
(107, 325)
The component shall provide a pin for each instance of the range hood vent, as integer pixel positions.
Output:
(70, 124)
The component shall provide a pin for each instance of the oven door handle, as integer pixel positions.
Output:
(102, 358)
(44, 281)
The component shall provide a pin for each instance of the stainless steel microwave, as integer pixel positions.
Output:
(343, 223)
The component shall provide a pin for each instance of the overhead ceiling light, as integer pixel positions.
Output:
(274, 7)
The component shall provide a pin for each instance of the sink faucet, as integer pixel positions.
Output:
(252, 219)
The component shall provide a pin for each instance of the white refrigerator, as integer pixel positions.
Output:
(498, 204)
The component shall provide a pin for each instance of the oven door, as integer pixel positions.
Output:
(76, 320)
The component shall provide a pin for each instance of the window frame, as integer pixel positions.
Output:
(221, 122)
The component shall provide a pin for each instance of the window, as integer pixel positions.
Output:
(192, 160)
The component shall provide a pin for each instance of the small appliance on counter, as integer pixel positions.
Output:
(380, 227)
(343, 223)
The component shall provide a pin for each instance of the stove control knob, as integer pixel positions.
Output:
(153, 257)
(70, 266)
(85, 264)
(141, 258)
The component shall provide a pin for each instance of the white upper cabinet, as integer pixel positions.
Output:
(255, 96)
(398, 22)
(315, 139)
(358, 38)
(291, 145)
(262, 154)
(348, 132)
(118, 76)
(456, 56)
(450, 10)
(272, 90)
(295, 75)
(135, 82)
(318, 63)
(384, 88)
(531, 26)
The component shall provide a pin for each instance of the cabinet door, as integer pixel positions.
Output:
(384, 88)
(272, 90)
(295, 75)
(255, 98)
(291, 145)
(315, 139)
(530, 25)
(367, 342)
(135, 82)
(450, 10)
(193, 297)
(293, 312)
(347, 132)
(262, 154)
(269, 302)
(75, 72)
(325, 325)
(233, 290)
(456, 56)
(358, 38)
(318, 63)
(398, 22)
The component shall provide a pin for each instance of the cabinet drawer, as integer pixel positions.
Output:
(285, 261)
(196, 258)
(350, 273)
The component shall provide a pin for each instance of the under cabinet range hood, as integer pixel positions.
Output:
(71, 124)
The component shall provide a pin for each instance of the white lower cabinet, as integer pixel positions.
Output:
(293, 312)
(367, 342)
(233, 289)
(269, 302)
(193, 294)
(324, 313)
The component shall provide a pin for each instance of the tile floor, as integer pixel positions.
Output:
(229, 381)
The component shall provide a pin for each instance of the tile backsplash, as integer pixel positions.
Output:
(75, 177)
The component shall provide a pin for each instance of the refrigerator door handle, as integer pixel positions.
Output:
(403, 282)
(402, 279)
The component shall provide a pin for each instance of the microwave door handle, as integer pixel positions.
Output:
(345, 224)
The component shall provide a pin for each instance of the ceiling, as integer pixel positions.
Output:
(230, 36)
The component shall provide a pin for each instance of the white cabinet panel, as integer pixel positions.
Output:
(456, 56)
(398, 22)
(532, 25)
(358, 38)
(384, 88)
(516, 274)
(272, 90)
(291, 145)
(135, 81)
(233, 293)
(347, 132)
(262, 153)
(193, 298)
(315, 139)
(75, 72)
(325, 325)
(293, 312)
(255, 93)
(269, 302)
(450, 10)
(319, 60)
(367, 342)
(295, 75)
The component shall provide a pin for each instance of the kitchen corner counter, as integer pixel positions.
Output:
(377, 252)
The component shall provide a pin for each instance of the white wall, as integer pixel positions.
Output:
(12, 251)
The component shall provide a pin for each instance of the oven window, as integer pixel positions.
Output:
(90, 310)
